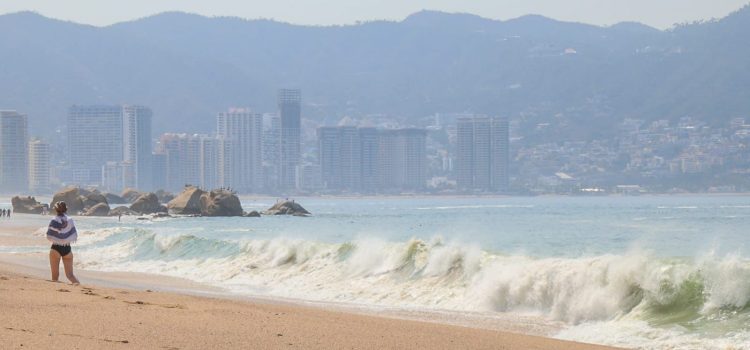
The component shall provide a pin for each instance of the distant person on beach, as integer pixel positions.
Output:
(62, 232)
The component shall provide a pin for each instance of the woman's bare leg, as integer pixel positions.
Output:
(68, 264)
(54, 264)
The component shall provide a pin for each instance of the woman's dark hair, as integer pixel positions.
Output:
(61, 207)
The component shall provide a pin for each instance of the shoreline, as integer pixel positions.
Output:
(106, 317)
(105, 298)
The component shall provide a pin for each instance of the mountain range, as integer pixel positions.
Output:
(188, 67)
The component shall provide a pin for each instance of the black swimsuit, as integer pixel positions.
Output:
(62, 249)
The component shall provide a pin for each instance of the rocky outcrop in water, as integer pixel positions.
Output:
(93, 199)
(220, 203)
(114, 199)
(287, 208)
(164, 196)
(187, 203)
(148, 203)
(72, 197)
(100, 209)
(123, 210)
(26, 205)
(252, 214)
(130, 195)
(81, 200)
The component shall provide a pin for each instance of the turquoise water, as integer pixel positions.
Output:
(647, 272)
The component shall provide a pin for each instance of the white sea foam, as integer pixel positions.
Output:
(601, 298)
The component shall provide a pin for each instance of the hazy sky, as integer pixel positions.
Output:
(657, 13)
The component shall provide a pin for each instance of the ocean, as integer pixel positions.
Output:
(651, 272)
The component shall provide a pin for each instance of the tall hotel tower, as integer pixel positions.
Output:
(98, 135)
(289, 101)
(14, 131)
(482, 158)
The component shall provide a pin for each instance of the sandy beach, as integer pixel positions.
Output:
(118, 310)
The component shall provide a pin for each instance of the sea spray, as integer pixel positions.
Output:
(662, 298)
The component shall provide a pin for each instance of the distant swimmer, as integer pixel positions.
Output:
(61, 232)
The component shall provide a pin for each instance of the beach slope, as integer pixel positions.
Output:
(41, 314)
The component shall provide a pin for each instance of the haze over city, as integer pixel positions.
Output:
(331, 174)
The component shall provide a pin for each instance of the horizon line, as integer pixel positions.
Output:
(360, 22)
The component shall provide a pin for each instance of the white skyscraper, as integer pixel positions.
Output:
(240, 132)
(101, 134)
(137, 144)
(39, 166)
(13, 152)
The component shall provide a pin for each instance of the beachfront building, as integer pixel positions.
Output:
(137, 144)
(99, 134)
(183, 160)
(271, 150)
(240, 154)
(482, 153)
(13, 152)
(117, 176)
(369, 160)
(40, 167)
(289, 103)
(402, 159)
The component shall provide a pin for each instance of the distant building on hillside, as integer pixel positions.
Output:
(14, 131)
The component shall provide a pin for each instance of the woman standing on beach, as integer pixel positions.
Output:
(61, 232)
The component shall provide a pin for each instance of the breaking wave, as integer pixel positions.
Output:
(706, 297)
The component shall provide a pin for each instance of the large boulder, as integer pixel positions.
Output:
(100, 209)
(188, 202)
(26, 205)
(148, 204)
(123, 210)
(114, 199)
(130, 195)
(164, 196)
(287, 208)
(93, 199)
(220, 203)
(72, 197)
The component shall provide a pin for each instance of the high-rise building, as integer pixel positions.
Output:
(183, 163)
(415, 154)
(289, 102)
(351, 158)
(209, 158)
(369, 146)
(94, 138)
(101, 134)
(137, 144)
(39, 167)
(402, 159)
(241, 134)
(13, 152)
(482, 155)
(117, 176)
(159, 171)
(329, 157)
(271, 150)
(369, 160)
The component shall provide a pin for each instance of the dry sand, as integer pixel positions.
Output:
(37, 314)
